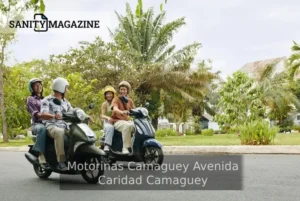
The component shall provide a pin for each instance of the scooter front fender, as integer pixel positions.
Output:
(152, 142)
(89, 149)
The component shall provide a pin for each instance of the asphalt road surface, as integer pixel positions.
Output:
(265, 177)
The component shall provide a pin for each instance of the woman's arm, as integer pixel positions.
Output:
(103, 112)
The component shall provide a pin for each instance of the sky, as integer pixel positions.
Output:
(231, 32)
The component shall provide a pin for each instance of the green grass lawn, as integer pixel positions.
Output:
(196, 140)
(16, 143)
(224, 139)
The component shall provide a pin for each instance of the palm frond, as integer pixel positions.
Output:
(164, 36)
(266, 72)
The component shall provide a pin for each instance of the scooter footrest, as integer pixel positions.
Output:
(120, 153)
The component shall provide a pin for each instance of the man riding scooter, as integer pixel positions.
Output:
(121, 106)
(52, 112)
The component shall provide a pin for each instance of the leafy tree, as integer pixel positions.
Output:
(16, 92)
(10, 10)
(38, 5)
(239, 101)
(82, 93)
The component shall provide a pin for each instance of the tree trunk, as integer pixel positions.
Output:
(2, 106)
(155, 122)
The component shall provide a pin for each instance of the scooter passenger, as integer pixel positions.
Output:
(106, 112)
(35, 87)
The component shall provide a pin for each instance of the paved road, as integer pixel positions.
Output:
(266, 177)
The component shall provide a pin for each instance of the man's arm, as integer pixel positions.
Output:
(116, 108)
(45, 111)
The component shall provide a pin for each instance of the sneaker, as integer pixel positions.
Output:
(125, 151)
(106, 148)
(62, 166)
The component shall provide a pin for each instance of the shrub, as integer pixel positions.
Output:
(257, 133)
(207, 132)
(197, 128)
(296, 127)
(165, 132)
(189, 132)
(225, 129)
(217, 132)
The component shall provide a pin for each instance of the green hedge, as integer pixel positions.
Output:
(165, 132)
(296, 127)
(189, 132)
(207, 132)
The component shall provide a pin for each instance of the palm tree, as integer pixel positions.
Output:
(145, 39)
(275, 93)
(294, 60)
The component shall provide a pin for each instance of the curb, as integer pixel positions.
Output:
(184, 150)
(244, 149)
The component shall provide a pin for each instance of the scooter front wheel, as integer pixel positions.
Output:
(41, 173)
(153, 155)
(93, 170)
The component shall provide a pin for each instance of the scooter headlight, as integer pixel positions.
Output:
(144, 112)
(80, 115)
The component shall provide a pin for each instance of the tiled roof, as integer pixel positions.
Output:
(253, 68)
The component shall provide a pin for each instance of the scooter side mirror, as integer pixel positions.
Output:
(91, 106)
(56, 101)
(147, 105)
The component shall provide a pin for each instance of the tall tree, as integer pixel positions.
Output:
(10, 10)
(146, 40)
(239, 101)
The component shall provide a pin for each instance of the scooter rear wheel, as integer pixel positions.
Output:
(153, 155)
(96, 169)
(41, 173)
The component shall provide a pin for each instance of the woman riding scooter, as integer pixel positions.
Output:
(106, 112)
(35, 87)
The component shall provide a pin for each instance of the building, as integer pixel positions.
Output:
(254, 68)
(207, 122)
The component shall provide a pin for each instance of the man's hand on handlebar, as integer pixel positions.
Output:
(126, 112)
